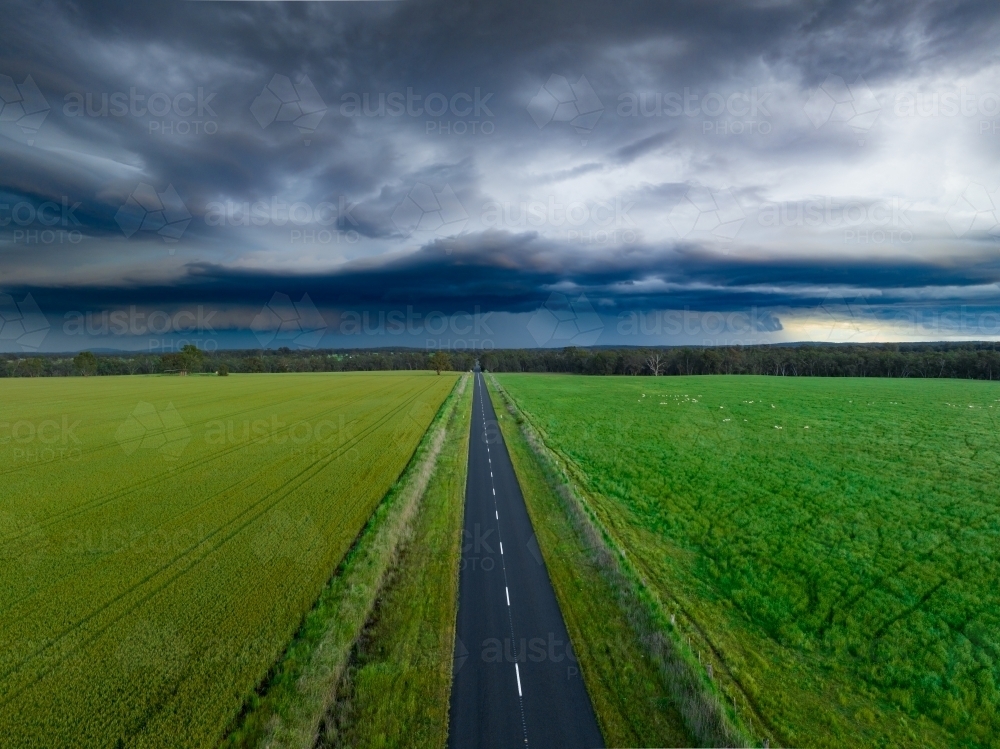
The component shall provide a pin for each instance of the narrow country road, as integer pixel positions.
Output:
(516, 679)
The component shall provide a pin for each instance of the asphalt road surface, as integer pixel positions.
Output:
(516, 679)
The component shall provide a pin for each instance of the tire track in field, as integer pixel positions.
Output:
(78, 625)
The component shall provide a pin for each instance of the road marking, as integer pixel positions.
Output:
(503, 564)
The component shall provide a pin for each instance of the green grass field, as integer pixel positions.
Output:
(830, 546)
(161, 538)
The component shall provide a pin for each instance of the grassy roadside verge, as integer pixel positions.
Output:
(288, 709)
(646, 685)
(397, 688)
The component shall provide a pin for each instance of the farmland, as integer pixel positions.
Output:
(397, 690)
(161, 538)
(829, 546)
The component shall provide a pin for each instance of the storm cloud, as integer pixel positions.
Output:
(829, 168)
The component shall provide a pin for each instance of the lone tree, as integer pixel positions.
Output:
(440, 361)
(656, 364)
(85, 362)
(188, 359)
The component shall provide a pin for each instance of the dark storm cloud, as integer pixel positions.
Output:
(220, 56)
(516, 273)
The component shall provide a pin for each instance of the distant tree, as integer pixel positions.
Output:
(440, 361)
(223, 370)
(85, 362)
(193, 357)
(188, 359)
(656, 363)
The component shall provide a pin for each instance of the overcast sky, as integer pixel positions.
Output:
(443, 174)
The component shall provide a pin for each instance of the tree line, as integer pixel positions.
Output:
(953, 360)
(956, 360)
(192, 360)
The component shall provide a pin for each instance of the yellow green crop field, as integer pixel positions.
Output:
(161, 538)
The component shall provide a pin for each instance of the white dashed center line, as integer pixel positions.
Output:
(496, 513)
